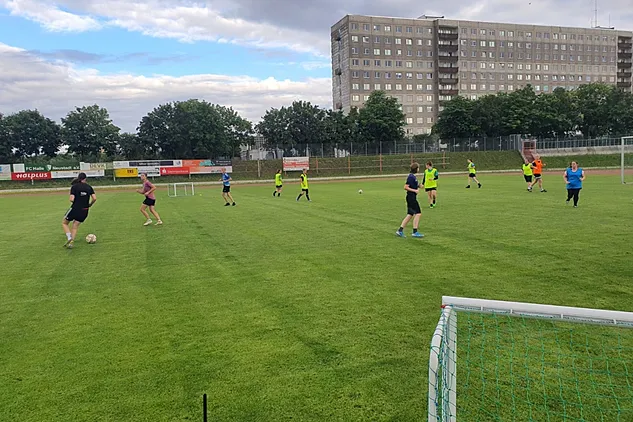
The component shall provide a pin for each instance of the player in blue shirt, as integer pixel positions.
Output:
(574, 176)
(413, 207)
(226, 188)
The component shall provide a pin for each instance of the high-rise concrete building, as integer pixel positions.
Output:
(426, 61)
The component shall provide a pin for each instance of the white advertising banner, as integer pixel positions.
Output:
(71, 174)
(94, 166)
(5, 171)
(146, 164)
(296, 163)
(149, 170)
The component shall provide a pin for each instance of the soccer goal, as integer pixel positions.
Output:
(626, 159)
(511, 361)
(181, 189)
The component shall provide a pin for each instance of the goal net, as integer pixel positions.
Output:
(181, 189)
(511, 361)
(626, 159)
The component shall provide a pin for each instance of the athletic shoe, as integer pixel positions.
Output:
(468, 187)
(431, 206)
(399, 233)
(479, 185)
(227, 205)
(575, 206)
(68, 242)
(147, 223)
(567, 202)
(543, 190)
(159, 223)
(234, 204)
(417, 234)
(70, 245)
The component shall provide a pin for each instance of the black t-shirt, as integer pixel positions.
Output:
(82, 192)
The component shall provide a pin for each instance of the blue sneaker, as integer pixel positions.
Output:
(417, 234)
(399, 233)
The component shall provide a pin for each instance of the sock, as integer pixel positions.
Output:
(434, 202)
(308, 196)
(69, 236)
(415, 230)
(274, 193)
(400, 229)
(299, 197)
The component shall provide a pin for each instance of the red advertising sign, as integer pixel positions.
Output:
(32, 175)
(174, 171)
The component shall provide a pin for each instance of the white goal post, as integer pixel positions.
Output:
(180, 189)
(443, 400)
(626, 152)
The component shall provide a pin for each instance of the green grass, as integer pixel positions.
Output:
(281, 310)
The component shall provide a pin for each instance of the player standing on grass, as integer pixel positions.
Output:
(537, 169)
(226, 188)
(527, 174)
(413, 207)
(82, 197)
(304, 185)
(278, 183)
(472, 174)
(574, 176)
(150, 201)
(430, 183)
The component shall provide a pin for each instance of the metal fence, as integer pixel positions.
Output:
(510, 143)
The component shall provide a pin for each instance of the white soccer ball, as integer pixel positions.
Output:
(360, 191)
(91, 238)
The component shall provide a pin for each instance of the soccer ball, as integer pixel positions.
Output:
(360, 191)
(91, 238)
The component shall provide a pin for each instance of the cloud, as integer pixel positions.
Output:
(84, 57)
(28, 82)
(51, 17)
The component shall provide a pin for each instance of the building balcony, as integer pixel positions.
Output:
(449, 91)
(625, 55)
(624, 74)
(625, 45)
(449, 81)
(448, 36)
(451, 48)
(624, 84)
(448, 59)
(624, 65)
(443, 69)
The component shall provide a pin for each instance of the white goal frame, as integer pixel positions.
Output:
(444, 342)
(173, 193)
(622, 153)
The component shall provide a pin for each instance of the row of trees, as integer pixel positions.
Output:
(189, 129)
(197, 129)
(592, 109)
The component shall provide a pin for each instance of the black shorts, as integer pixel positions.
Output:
(527, 178)
(429, 189)
(413, 207)
(472, 175)
(304, 190)
(149, 202)
(226, 189)
(77, 214)
(278, 186)
(537, 176)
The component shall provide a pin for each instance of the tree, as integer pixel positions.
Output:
(28, 134)
(6, 153)
(300, 124)
(130, 146)
(593, 101)
(456, 120)
(238, 131)
(88, 132)
(381, 120)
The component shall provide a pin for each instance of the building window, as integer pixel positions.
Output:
(376, 75)
(377, 63)
(409, 41)
(355, 87)
(366, 87)
(355, 74)
(365, 27)
(387, 52)
(355, 98)
(429, 98)
(387, 28)
(409, 120)
(398, 87)
(409, 30)
(355, 62)
(398, 29)
(354, 26)
(354, 50)
(377, 87)
(376, 27)
(387, 87)
(398, 41)
(354, 38)
(366, 75)
(365, 97)
(376, 51)
(366, 62)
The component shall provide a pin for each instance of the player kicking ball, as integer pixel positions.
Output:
(413, 207)
(82, 197)
(149, 202)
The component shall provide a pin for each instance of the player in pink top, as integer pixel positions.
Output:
(150, 200)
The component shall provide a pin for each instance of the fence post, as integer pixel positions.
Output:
(322, 151)
(380, 161)
(317, 165)
(349, 164)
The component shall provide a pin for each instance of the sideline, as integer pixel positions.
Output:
(268, 181)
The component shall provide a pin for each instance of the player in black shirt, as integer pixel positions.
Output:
(82, 197)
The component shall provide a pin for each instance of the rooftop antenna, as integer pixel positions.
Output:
(595, 16)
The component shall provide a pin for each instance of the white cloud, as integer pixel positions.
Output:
(28, 82)
(51, 17)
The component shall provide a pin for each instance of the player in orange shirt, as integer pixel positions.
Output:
(537, 170)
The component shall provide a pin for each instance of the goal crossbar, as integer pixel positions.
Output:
(442, 393)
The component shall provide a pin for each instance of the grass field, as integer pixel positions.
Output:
(281, 310)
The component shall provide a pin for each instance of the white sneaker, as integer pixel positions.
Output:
(148, 222)
(159, 223)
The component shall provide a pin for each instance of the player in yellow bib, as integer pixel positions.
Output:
(278, 184)
(527, 174)
(472, 174)
(429, 181)
(304, 186)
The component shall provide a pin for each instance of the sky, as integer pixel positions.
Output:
(129, 56)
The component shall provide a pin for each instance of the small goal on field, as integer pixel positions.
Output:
(626, 159)
(181, 189)
(511, 361)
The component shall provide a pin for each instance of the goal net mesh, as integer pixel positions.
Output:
(181, 189)
(627, 159)
(513, 368)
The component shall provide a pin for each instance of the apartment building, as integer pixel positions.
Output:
(426, 61)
